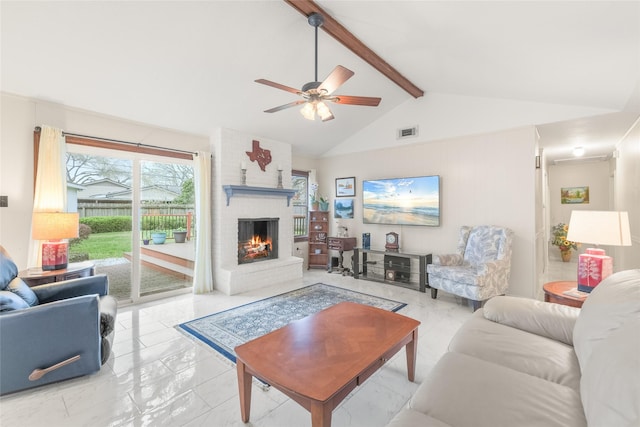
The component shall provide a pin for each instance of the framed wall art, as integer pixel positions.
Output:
(574, 195)
(343, 208)
(346, 187)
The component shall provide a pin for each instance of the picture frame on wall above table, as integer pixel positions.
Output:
(346, 187)
(343, 208)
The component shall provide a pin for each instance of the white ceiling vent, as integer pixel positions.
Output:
(407, 132)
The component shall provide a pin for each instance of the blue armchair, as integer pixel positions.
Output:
(479, 270)
(52, 332)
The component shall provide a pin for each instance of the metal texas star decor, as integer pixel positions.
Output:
(260, 155)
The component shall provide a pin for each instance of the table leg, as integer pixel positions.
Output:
(412, 350)
(320, 415)
(244, 388)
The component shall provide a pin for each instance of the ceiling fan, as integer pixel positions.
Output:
(314, 94)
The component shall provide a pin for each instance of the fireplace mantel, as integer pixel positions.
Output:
(232, 190)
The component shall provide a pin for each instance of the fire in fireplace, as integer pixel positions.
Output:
(257, 239)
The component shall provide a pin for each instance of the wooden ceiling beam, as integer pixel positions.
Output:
(351, 42)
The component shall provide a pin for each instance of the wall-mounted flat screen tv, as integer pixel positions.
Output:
(402, 201)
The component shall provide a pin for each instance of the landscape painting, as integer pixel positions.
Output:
(343, 208)
(574, 195)
(403, 201)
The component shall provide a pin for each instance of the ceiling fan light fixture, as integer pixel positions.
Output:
(323, 111)
(308, 111)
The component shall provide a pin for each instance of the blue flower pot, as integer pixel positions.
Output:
(158, 238)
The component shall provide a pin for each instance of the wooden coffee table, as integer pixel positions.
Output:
(317, 361)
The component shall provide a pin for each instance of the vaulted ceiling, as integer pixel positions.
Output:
(191, 66)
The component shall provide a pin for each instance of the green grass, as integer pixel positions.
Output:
(104, 245)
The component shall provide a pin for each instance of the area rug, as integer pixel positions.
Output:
(225, 330)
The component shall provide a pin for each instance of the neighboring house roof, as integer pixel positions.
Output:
(99, 188)
(149, 193)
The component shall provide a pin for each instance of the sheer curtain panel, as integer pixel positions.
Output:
(51, 181)
(203, 269)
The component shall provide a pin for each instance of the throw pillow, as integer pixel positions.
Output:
(10, 301)
(18, 287)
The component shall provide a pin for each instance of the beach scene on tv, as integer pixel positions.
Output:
(404, 201)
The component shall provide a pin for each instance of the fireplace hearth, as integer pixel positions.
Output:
(257, 239)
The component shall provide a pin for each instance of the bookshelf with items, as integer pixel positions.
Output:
(318, 235)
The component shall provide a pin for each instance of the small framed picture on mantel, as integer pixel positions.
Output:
(346, 187)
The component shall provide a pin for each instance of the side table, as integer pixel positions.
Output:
(37, 276)
(555, 292)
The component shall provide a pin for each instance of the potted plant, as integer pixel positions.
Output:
(559, 239)
(315, 202)
(180, 235)
(323, 203)
(158, 237)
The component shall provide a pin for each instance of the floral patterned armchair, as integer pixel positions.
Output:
(481, 268)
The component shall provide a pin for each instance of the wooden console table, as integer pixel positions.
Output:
(391, 267)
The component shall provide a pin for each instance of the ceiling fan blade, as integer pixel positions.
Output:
(356, 100)
(278, 86)
(282, 107)
(335, 79)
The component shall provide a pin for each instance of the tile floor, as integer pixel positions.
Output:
(158, 376)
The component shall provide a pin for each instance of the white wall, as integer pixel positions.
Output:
(594, 175)
(627, 196)
(485, 179)
(19, 117)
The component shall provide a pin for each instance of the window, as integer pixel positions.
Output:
(300, 183)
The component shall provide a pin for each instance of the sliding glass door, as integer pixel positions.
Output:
(137, 218)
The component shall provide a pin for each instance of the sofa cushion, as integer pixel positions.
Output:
(612, 303)
(10, 301)
(553, 321)
(464, 391)
(411, 418)
(516, 349)
(20, 288)
(610, 390)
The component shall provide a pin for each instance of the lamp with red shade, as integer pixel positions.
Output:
(54, 227)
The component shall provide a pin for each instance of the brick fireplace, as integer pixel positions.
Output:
(233, 275)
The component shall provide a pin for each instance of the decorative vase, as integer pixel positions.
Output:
(314, 206)
(566, 255)
(324, 206)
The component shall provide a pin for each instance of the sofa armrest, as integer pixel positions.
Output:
(447, 259)
(98, 284)
(553, 321)
(42, 336)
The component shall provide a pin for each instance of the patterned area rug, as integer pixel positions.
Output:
(225, 330)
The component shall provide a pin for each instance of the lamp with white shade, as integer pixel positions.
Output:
(598, 228)
(54, 227)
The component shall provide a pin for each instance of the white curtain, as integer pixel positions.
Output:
(51, 181)
(203, 269)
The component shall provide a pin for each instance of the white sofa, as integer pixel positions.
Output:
(521, 362)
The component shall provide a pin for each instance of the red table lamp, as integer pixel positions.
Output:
(54, 227)
(599, 228)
